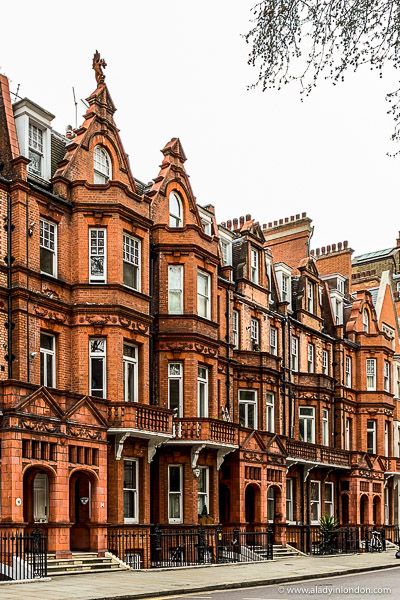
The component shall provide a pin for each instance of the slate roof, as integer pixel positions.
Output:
(370, 256)
(58, 143)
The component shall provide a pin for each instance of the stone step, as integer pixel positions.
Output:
(84, 571)
(82, 562)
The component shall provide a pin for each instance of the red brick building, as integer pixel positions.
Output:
(158, 367)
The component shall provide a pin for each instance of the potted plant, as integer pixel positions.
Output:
(329, 530)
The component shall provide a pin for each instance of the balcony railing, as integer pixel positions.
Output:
(205, 430)
(318, 454)
(140, 416)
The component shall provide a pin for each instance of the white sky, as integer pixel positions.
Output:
(179, 68)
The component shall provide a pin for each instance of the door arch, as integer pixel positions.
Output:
(81, 489)
(252, 504)
(376, 510)
(37, 492)
(364, 506)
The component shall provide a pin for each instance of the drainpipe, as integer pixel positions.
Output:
(228, 351)
(28, 366)
(152, 370)
(291, 415)
(9, 260)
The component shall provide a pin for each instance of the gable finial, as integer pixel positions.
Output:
(98, 65)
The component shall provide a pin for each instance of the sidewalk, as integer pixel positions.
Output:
(135, 584)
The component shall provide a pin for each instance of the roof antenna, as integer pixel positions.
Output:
(85, 103)
(15, 94)
(76, 108)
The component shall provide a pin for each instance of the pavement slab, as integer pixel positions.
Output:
(120, 585)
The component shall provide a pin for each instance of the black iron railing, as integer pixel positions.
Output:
(311, 539)
(22, 555)
(130, 544)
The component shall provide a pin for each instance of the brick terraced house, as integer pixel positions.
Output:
(160, 368)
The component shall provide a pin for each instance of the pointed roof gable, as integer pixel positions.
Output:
(40, 403)
(85, 412)
(253, 441)
(174, 149)
(276, 446)
(308, 264)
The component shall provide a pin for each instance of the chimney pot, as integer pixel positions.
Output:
(345, 244)
(318, 251)
(235, 223)
(333, 247)
(323, 249)
(303, 215)
(241, 220)
(328, 249)
(339, 246)
(248, 217)
(297, 217)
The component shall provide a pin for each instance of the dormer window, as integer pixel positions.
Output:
(102, 165)
(365, 321)
(284, 280)
(285, 288)
(310, 297)
(35, 150)
(175, 210)
(254, 266)
(340, 285)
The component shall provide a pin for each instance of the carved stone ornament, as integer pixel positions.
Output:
(50, 315)
(87, 433)
(98, 65)
(40, 426)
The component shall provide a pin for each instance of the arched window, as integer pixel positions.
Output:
(365, 321)
(102, 165)
(175, 210)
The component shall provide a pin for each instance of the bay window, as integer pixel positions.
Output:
(97, 367)
(294, 355)
(255, 334)
(130, 367)
(347, 434)
(273, 340)
(202, 391)
(325, 362)
(348, 382)
(307, 424)
(203, 295)
(175, 388)
(97, 255)
(131, 261)
(248, 408)
(386, 376)
(310, 358)
(175, 289)
(235, 329)
(371, 374)
(325, 427)
(48, 247)
(270, 416)
(371, 436)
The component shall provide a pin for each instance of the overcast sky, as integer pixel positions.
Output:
(179, 68)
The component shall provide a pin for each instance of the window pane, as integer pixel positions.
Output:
(129, 504)
(46, 341)
(130, 474)
(49, 364)
(130, 275)
(130, 381)
(97, 377)
(174, 393)
(174, 479)
(46, 261)
(174, 506)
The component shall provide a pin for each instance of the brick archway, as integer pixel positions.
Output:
(252, 497)
(364, 510)
(38, 496)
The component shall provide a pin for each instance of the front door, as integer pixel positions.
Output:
(40, 498)
(80, 511)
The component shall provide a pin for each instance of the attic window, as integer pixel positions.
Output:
(102, 165)
(365, 321)
(175, 210)
(35, 149)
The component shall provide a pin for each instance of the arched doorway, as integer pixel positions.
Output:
(36, 495)
(364, 518)
(376, 510)
(252, 504)
(345, 509)
(224, 504)
(80, 509)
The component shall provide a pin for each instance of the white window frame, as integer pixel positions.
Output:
(226, 251)
(131, 255)
(294, 353)
(135, 491)
(310, 358)
(134, 362)
(235, 329)
(387, 439)
(285, 287)
(347, 433)
(178, 291)
(317, 502)
(325, 362)
(273, 340)
(371, 429)
(97, 278)
(365, 320)
(175, 220)
(206, 493)
(310, 297)
(179, 378)
(44, 353)
(97, 355)
(246, 403)
(371, 374)
(202, 385)
(270, 412)
(36, 147)
(254, 332)
(178, 493)
(102, 165)
(325, 427)
(52, 230)
(207, 296)
(386, 376)
(254, 266)
(289, 500)
(330, 503)
(303, 416)
(348, 369)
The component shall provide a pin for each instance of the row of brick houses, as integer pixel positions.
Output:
(159, 367)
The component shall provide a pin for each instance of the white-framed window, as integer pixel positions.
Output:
(294, 354)
(36, 150)
(325, 427)
(285, 288)
(271, 504)
(254, 265)
(131, 372)
(97, 255)
(47, 360)
(365, 320)
(310, 358)
(203, 294)
(273, 340)
(97, 367)
(387, 439)
(307, 424)
(386, 376)
(235, 328)
(371, 436)
(248, 408)
(387, 506)
(131, 260)
(175, 210)
(48, 247)
(348, 376)
(329, 506)
(325, 362)
(175, 289)
(226, 251)
(207, 225)
(102, 165)
(175, 388)
(310, 297)
(289, 500)
(371, 374)
(203, 491)
(175, 493)
(315, 502)
(270, 412)
(347, 434)
(202, 392)
(337, 307)
(340, 285)
(131, 490)
(255, 334)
